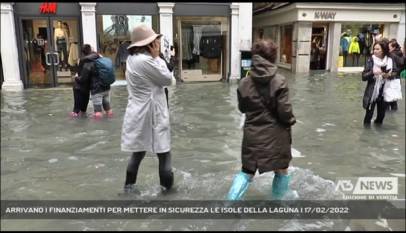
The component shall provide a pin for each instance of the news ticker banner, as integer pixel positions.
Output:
(188, 209)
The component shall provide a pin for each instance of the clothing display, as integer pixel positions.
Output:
(354, 46)
(61, 44)
(355, 51)
(187, 38)
(73, 54)
(344, 45)
(197, 35)
(361, 42)
(210, 43)
(368, 45)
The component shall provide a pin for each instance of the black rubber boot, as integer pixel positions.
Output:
(166, 179)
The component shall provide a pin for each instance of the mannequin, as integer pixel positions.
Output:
(61, 44)
(73, 54)
(345, 44)
(354, 50)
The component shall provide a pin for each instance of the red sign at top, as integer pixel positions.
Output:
(48, 8)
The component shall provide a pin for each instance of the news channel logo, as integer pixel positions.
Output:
(368, 188)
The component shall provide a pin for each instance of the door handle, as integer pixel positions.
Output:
(57, 58)
(47, 58)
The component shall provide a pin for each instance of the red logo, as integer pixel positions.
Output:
(48, 8)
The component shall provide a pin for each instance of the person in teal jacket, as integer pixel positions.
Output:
(344, 44)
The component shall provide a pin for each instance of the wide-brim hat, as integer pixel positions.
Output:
(142, 35)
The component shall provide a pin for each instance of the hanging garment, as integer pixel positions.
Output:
(187, 40)
(354, 46)
(361, 41)
(210, 43)
(60, 34)
(73, 54)
(344, 43)
(197, 35)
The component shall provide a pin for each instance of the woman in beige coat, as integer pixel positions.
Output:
(146, 121)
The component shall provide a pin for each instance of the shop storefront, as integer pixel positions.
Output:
(204, 39)
(334, 37)
(49, 39)
(114, 22)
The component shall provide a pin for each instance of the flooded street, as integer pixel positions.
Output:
(45, 155)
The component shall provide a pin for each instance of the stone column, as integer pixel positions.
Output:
(235, 43)
(333, 49)
(301, 41)
(245, 29)
(401, 30)
(166, 26)
(88, 10)
(9, 51)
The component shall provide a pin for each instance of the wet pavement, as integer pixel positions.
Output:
(45, 155)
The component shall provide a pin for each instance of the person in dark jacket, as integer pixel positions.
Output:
(379, 67)
(266, 146)
(100, 93)
(81, 88)
(397, 57)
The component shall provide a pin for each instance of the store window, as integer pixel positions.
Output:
(201, 45)
(286, 44)
(356, 42)
(114, 36)
(271, 33)
(318, 49)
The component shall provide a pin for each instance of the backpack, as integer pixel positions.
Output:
(105, 70)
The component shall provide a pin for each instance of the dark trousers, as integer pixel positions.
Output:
(392, 106)
(81, 99)
(165, 168)
(381, 108)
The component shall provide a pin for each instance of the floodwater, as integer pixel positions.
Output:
(45, 155)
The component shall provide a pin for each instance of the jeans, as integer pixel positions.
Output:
(101, 100)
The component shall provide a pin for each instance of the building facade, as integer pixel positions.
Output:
(41, 42)
(329, 36)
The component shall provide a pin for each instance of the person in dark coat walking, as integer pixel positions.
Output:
(379, 67)
(266, 146)
(100, 93)
(397, 57)
(81, 85)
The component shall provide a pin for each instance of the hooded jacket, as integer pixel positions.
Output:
(354, 46)
(398, 59)
(264, 98)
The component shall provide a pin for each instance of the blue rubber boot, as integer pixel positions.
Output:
(240, 185)
(280, 188)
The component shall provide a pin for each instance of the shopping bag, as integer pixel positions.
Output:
(392, 90)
